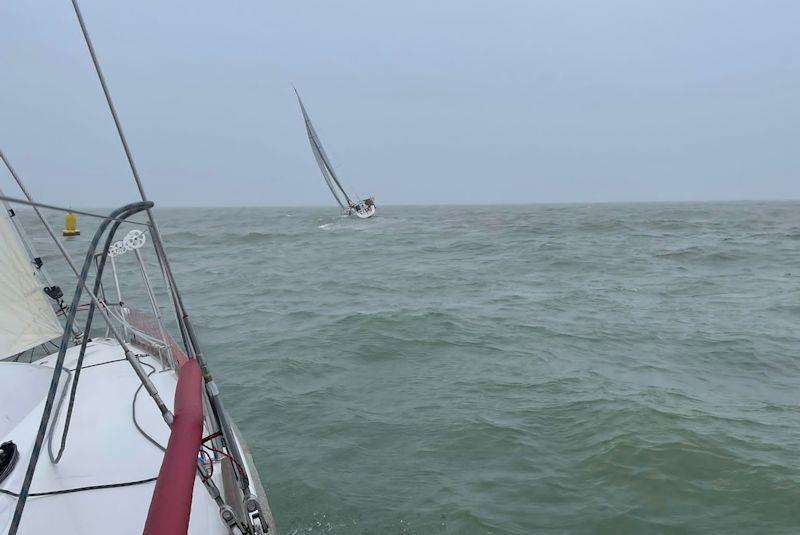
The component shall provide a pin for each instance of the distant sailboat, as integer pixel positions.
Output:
(364, 208)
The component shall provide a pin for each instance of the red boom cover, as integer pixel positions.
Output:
(171, 503)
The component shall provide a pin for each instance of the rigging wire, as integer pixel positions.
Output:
(189, 340)
(64, 209)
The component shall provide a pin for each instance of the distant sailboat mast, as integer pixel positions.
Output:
(322, 159)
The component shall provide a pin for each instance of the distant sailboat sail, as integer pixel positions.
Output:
(364, 208)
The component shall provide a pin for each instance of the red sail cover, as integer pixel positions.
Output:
(172, 498)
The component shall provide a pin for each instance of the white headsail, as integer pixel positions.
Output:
(322, 159)
(26, 318)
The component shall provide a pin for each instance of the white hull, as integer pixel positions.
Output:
(103, 447)
(362, 211)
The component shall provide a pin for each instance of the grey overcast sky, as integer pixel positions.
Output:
(419, 101)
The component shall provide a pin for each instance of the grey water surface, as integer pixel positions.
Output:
(626, 368)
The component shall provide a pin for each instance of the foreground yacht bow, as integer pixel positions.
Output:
(127, 430)
(107, 425)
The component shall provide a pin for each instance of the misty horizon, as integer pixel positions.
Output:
(452, 103)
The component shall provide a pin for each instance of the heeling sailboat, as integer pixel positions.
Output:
(363, 208)
(82, 448)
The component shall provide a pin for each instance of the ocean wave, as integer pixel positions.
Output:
(180, 236)
(699, 254)
(494, 370)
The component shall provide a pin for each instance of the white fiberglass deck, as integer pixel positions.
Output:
(103, 447)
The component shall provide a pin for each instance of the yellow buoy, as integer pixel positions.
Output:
(71, 225)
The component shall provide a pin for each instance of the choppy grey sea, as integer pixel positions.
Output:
(630, 368)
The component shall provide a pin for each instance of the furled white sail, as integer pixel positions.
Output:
(26, 318)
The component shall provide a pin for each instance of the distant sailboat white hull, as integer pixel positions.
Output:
(365, 214)
(363, 209)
